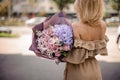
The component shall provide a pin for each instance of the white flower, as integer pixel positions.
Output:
(38, 33)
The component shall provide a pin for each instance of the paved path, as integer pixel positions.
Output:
(18, 63)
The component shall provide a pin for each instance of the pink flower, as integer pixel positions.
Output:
(57, 53)
(66, 47)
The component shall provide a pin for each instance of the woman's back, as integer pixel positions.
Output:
(89, 33)
(89, 41)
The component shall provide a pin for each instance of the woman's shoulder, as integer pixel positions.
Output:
(85, 31)
(103, 26)
(77, 26)
(78, 23)
(74, 24)
(76, 29)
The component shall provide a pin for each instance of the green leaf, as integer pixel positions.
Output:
(64, 53)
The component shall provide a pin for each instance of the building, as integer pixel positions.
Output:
(38, 6)
(44, 7)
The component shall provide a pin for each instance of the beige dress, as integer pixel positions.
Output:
(81, 62)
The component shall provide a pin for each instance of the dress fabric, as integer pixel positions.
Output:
(81, 62)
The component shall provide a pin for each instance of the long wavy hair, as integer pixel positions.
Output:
(90, 11)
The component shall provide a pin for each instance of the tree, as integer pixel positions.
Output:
(116, 6)
(6, 8)
(63, 3)
(3, 7)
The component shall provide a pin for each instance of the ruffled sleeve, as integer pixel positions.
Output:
(83, 50)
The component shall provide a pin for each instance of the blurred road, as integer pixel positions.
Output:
(18, 63)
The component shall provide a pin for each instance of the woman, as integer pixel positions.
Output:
(89, 40)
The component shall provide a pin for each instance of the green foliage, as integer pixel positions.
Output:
(115, 4)
(7, 35)
(62, 3)
(64, 53)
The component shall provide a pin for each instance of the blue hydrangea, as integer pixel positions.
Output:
(65, 33)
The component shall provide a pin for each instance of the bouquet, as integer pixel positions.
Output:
(55, 41)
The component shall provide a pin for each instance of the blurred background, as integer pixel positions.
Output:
(18, 17)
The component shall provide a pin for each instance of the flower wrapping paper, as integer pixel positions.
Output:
(54, 39)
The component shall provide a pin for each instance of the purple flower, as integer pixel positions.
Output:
(64, 32)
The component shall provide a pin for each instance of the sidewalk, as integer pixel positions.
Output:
(17, 45)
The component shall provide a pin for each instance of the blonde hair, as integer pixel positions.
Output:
(89, 11)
